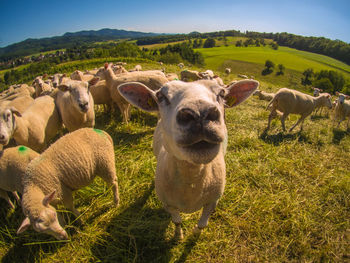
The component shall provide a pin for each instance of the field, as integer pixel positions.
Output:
(286, 198)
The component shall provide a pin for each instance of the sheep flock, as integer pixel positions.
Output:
(189, 141)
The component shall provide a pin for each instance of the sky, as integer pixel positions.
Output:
(20, 19)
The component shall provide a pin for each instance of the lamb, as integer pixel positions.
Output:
(153, 80)
(13, 163)
(190, 75)
(34, 128)
(69, 164)
(264, 95)
(189, 141)
(41, 88)
(293, 101)
(227, 71)
(78, 75)
(342, 109)
(75, 104)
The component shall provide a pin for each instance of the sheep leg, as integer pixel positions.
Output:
(67, 195)
(176, 218)
(16, 196)
(203, 221)
(272, 115)
(4, 195)
(301, 120)
(110, 178)
(283, 118)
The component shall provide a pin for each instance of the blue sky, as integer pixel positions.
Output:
(20, 20)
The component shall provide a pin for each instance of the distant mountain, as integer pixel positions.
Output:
(31, 46)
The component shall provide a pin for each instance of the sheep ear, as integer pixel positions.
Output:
(24, 226)
(240, 91)
(64, 87)
(15, 112)
(49, 198)
(93, 81)
(139, 95)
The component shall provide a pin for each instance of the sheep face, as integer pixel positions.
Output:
(342, 97)
(7, 124)
(79, 93)
(192, 115)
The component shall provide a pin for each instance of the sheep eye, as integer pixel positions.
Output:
(160, 97)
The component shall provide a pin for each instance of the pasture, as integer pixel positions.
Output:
(286, 199)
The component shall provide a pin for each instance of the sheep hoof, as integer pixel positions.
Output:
(197, 230)
(178, 234)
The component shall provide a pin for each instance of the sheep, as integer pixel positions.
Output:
(20, 103)
(57, 79)
(75, 104)
(189, 141)
(78, 75)
(208, 74)
(317, 91)
(153, 80)
(264, 95)
(190, 75)
(41, 88)
(100, 94)
(69, 164)
(227, 71)
(172, 76)
(13, 163)
(34, 128)
(342, 109)
(136, 68)
(15, 91)
(242, 76)
(118, 69)
(293, 101)
(180, 65)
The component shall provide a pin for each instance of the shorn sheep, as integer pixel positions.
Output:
(13, 164)
(292, 101)
(342, 109)
(189, 142)
(69, 164)
(34, 128)
(75, 104)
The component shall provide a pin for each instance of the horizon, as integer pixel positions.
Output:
(306, 18)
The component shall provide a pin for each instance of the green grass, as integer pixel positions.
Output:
(286, 199)
(291, 58)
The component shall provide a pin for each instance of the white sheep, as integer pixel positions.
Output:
(227, 71)
(136, 68)
(242, 76)
(180, 65)
(78, 75)
(189, 141)
(153, 79)
(101, 95)
(41, 88)
(20, 103)
(13, 163)
(75, 104)
(72, 162)
(34, 128)
(264, 95)
(342, 109)
(190, 75)
(293, 101)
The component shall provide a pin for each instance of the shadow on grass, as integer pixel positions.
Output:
(277, 139)
(319, 117)
(338, 135)
(28, 246)
(137, 234)
(190, 243)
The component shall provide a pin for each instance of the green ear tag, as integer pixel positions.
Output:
(230, 101)
(22, 150)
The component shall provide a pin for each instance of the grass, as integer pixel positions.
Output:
(292, 59)
(286, 198)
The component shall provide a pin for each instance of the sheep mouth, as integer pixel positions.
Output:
(201, 145)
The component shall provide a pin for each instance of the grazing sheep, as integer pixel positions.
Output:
(190, 75)
(293, 101)
(13, 163)
(69, 164)
(154, 80)
(189, 141)
(34, 128)
(78, 75)
(75, 104)
(180, 65)
(227, 71)
(342, 109)
(242, 76)
(264, 95)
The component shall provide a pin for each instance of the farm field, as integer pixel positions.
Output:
(286, 198)
(291, 58)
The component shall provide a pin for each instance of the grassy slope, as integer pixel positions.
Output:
(286, 199)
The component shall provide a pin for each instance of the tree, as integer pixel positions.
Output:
(209, 42)
(239, 43)
(269, 64)
(281, 69)
(308, 74)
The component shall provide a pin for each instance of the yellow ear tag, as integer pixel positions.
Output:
(230, 101)
(151, 103)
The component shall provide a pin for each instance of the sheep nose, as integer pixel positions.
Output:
(84, 105)
(212, 114)
(2, 137)
(186, 116)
